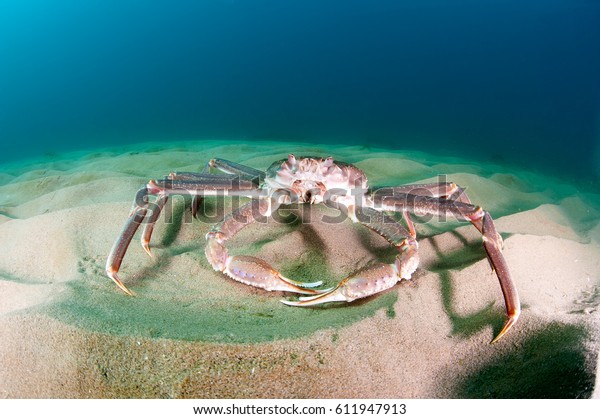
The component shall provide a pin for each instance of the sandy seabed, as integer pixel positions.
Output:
(190, 332)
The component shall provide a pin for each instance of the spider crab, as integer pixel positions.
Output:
(314, 180)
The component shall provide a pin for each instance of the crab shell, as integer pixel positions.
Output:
(313, 178)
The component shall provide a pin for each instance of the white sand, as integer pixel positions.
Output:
(425, 338)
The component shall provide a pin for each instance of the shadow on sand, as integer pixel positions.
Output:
(552, 363)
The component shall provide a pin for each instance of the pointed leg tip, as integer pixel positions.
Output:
(318, 293)
(497, 338)
(126, 290)
(319, 297)
(302, 301)
(298, 287)
(507, 326)
(287, 287)
(308, 291)
(113, 275)
(146, 246)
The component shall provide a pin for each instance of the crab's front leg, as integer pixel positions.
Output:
(146, 212)
(248, 269)
(379, 277)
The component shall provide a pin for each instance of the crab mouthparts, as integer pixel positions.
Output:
(307, 196)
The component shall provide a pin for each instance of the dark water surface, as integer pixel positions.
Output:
(504, 81)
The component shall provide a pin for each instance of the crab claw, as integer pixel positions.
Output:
(361, 284)
(256, 272)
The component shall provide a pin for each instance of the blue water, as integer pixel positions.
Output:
(510, 81)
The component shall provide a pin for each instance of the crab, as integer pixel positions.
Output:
(314, 180)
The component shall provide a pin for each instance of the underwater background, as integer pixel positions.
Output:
(512, 82)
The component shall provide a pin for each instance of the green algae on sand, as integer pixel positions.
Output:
(249, 320)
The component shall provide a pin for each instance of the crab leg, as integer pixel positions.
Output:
(492, 242)
(115, 257)
(233, 168)
(228, 167)
(162, 199)
(205, 184)
(448, 190)
(151, 220)
(247, 269)
(224, 167)
(410, 224)
(184, 180)
(369, 281)
(482, 220)
(188, 183)
(379, 277)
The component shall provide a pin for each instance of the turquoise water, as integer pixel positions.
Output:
(495, 81)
